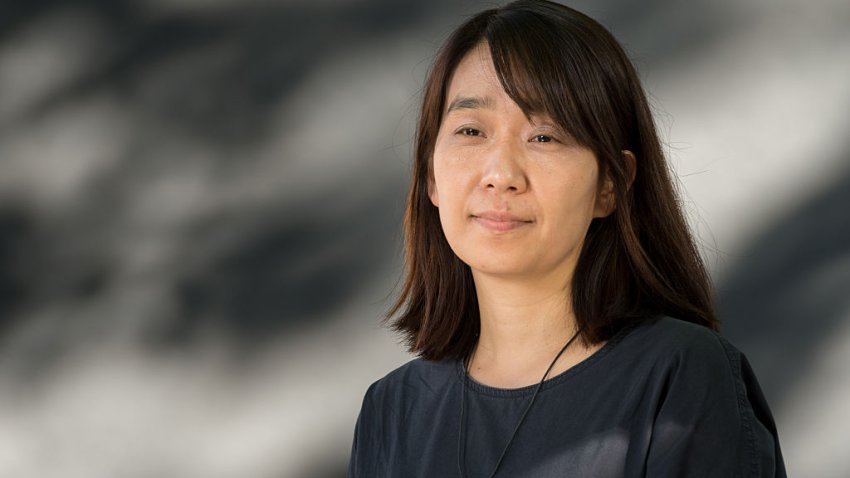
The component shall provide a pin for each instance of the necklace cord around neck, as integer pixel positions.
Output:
(461, 441)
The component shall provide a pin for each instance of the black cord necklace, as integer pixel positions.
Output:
(461, 440)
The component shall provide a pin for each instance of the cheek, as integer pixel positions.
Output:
(450, 195)
(449, 181)
(570, 199)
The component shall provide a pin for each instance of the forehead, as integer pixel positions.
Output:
(475, 76)
(475, 84)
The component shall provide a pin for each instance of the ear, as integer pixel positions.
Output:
(606, 201)
(432, 190)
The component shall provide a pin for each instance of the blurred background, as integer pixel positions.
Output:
(201, 205)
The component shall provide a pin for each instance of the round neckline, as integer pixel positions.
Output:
(481, 388)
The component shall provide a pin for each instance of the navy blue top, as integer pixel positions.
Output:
(663, 399)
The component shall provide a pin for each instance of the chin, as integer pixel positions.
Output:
(500, 268)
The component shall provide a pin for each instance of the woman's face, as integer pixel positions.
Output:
(515, 196)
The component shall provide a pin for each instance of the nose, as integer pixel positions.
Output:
(503, 169)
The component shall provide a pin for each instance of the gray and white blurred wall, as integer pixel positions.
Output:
(200, 210)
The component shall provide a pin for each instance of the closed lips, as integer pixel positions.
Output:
(500, 217)
(500, 221)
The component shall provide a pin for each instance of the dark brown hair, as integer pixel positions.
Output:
(636, 263)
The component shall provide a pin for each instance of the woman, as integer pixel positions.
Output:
(555, 297)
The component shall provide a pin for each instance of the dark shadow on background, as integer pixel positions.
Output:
(288, 275)
(16, 234)
(788, 290)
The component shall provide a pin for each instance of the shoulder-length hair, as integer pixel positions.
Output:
(636, 263)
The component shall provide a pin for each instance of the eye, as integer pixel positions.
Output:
(469, 132)
(542, 138)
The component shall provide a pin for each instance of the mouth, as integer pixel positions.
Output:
(500, 221)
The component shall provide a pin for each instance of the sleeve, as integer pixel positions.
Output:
(363, 462)
(712, 420)
(770, 459)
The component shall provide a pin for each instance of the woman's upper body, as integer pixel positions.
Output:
(663, 399)
(541, 208)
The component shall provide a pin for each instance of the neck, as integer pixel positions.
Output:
(523, 323)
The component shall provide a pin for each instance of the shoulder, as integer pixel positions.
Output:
(689, 366)
(675, 339)
(673, 331)
(667, 349)
(416, 373)
(414, 381)
(703, 386)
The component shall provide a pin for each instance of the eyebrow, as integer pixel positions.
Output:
(472, 102)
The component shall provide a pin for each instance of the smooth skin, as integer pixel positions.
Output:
(515, 198)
